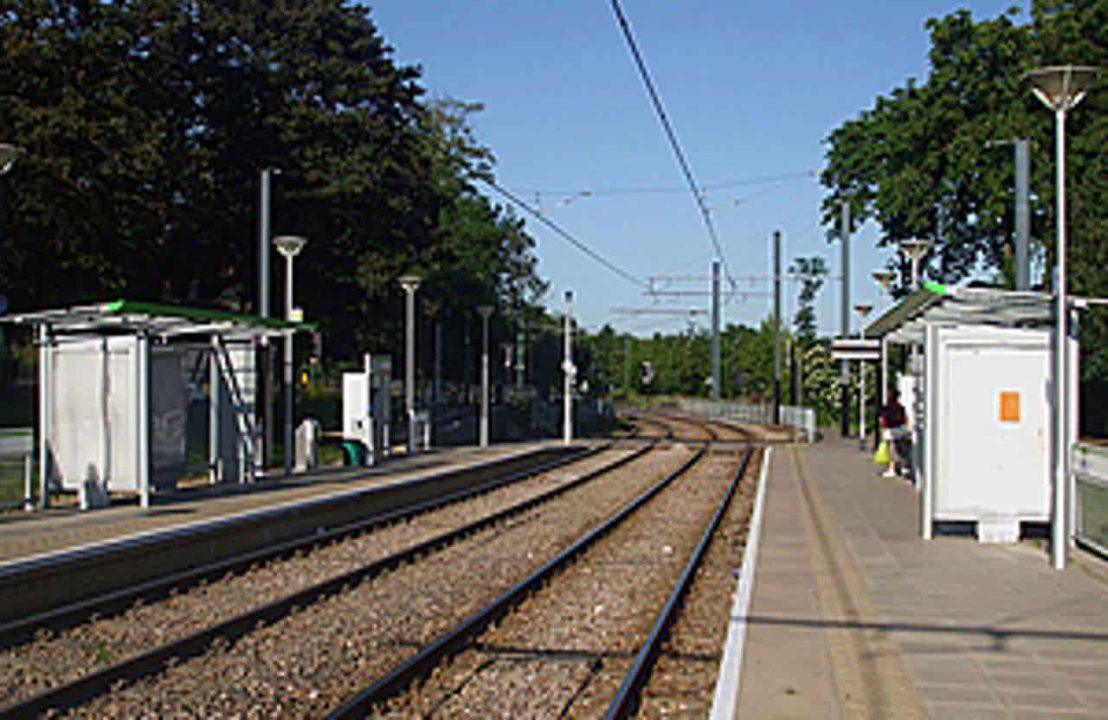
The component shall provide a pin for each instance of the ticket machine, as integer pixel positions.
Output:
(365, 407)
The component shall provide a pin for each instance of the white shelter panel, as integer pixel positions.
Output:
(994, 427)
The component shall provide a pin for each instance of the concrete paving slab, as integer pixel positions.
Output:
(984, 630)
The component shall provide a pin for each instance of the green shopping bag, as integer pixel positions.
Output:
(882, 457)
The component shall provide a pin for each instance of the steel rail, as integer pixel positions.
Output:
(115, 602)
(627, 699)
(653, 420)
(430, 655)
(145, 664)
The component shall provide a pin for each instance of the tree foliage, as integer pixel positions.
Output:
(146, 124)
(920, 163)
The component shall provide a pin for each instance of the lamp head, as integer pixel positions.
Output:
(863, 309)
(884, 278)
(569, 296)
(410, 282)
(8, 154)
(289, 245)
(1062, 87)
(915, 248)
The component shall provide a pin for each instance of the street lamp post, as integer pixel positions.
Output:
(915, 249)
(289, 246)
(485, 311)
(884, 278)
(569, 373)
(1061, 88)
(410, 283)
(863, 310)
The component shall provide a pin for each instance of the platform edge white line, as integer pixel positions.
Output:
(726, 695)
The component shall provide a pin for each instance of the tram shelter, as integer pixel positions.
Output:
(981, 402)
(115, 380)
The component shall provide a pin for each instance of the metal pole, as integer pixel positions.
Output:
(925, 452)
(1023, 214)
(626, 366)
(862, 393)
(777, 327)
(288, 367)
(28, 482)
(142, 442)
(409, 365)
(794, 371)
(485, 311)
(1061, 458)
(521, 349)
(569, 372)
(215, 414)
(715, 338)
(45, 379)
(844, 319)
(437, 383)
(263, 407)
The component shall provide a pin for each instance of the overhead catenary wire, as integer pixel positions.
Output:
(557, 229)
(670, 189)
(705, 214)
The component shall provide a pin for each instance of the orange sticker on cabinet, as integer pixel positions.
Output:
(1009, 406)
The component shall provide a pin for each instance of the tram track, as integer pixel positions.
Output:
(123, 672)
(224, 633)
(111, 603)
(546, 653)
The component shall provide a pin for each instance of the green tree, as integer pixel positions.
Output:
(918, 163)
(811, 271)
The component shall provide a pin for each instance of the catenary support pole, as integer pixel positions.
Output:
(569, 372)
(1023, 214)
(410, 283)
(844, 320)
(626, 366)
(483, 431)
(521, 351)
(263, 395)
(437, 381)
(777, 327)
(715, 338)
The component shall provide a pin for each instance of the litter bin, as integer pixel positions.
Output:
(353, 453)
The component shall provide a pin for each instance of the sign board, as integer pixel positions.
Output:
(855, 349)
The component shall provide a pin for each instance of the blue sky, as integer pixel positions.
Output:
(752, 90)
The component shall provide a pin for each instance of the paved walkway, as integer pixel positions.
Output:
(854, 616)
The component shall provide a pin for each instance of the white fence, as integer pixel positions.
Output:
(802, 419)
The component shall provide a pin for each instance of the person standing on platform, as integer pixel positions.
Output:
(894, 429)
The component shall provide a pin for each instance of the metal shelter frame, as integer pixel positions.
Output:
(159, 324)
(913, 321)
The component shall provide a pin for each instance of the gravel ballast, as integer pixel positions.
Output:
(311, 661)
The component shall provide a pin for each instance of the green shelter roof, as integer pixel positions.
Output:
(953, 305)
(114, 317)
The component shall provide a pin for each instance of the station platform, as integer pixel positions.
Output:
(853, 615)
(26, 535)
